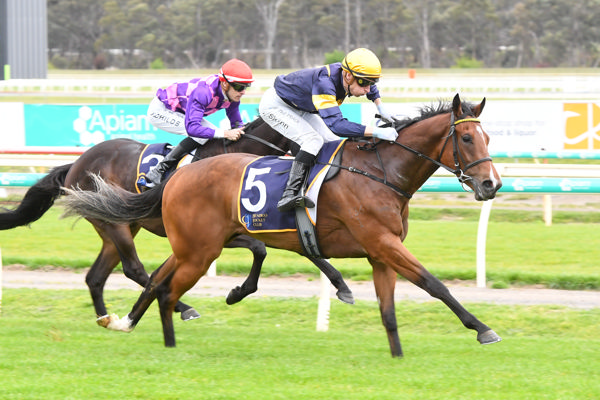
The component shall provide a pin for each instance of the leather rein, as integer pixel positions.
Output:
(458, 158)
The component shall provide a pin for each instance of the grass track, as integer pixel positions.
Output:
(268, 349)
(559, 256)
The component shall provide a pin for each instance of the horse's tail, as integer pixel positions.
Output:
(37, 200)
(113, 204)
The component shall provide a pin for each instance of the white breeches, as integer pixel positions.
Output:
(171, 121)
(306, 129)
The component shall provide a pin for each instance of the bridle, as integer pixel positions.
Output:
(458, 157)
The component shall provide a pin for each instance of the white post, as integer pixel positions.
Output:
(212, 270)
(324, 305)
(484, 218)
(547, 201)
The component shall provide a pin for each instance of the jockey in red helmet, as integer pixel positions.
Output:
(181, 108)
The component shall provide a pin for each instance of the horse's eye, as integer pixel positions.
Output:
(467, 138)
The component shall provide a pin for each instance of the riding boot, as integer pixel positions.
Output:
(155, 175)
(292, 196)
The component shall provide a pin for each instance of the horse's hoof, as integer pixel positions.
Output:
(488, 337)
(120, 324)
(345, 296)
(189, 314)
(238, 294)
(104, 320)
(234, 296)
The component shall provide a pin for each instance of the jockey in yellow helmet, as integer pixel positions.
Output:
(304, 107)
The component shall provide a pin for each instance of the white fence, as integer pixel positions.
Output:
(392, 85)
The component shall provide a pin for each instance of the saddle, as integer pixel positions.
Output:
(263, 184)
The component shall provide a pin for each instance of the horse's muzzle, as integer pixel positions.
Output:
(486, 190)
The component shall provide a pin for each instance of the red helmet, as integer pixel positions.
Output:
(236, 70)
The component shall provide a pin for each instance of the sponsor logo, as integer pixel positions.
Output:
(582, 126)
(94, 127)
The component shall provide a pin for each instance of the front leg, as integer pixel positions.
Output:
(390, 251)
(384, 279)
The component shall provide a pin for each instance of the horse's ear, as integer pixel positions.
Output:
(479, 108)
(456, 106)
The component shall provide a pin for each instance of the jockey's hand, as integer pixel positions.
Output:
(385, 133)
(385, 113)
(234, 134)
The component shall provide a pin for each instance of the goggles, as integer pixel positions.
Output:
(238, 87)
(364, 82)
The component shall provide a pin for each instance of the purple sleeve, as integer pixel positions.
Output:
(194, 113)
(233, 113)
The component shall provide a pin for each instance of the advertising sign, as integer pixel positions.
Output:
(87, 125)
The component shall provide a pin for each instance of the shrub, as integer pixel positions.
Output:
(468, 62)
(157, 64)
(334, 56)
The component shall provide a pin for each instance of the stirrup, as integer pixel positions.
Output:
(142, 181)
(297, 201)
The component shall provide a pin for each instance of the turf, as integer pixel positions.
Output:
(518, 253)
(50, 348)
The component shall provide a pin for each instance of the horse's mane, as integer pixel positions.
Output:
(250, 126)
(431, 110)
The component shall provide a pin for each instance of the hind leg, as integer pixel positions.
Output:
(96, 277)
(118, 245)
(184, 277)
(250, 285)
(128, 323)
(335, 277)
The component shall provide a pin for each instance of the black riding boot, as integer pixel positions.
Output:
(292, 196)
(184, 147)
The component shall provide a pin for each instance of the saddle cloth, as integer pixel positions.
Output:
(262, 185)
(151, 156)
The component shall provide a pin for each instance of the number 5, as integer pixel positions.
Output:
(253, 173)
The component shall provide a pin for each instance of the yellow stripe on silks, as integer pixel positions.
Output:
(466, 120)
(322, 101)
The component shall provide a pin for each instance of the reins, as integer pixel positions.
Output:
(371, 176)
(264, 142)
(457, 171)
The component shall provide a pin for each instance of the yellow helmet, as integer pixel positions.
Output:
(362, 63)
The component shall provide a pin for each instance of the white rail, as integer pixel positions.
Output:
(582, 87)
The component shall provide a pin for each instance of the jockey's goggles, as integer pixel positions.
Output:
(238, 87)
(364, 82)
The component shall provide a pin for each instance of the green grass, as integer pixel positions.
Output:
(444, 240)
(51, 348)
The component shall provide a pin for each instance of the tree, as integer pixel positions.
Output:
(269, 11)
(73, 30)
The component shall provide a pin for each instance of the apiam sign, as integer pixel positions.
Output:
(527, 126)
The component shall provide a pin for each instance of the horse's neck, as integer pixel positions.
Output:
(406, 169)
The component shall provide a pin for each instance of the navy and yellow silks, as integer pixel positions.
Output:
(263, 183)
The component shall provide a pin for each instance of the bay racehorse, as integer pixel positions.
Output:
(116, 162)
(362, 212)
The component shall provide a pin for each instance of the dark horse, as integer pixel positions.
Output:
(116, 161)
(360, 214)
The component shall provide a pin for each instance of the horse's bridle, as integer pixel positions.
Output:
(457, 171)
(458, 158)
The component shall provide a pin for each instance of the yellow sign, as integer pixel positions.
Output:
(582, 126)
